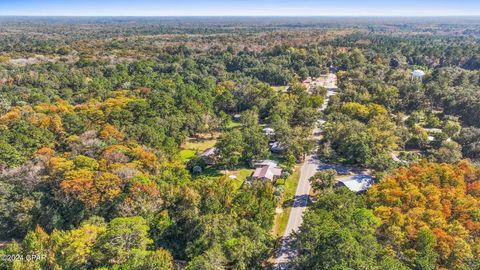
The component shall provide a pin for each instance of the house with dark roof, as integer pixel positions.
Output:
(276, 147)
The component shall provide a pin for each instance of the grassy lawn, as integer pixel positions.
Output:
(291, 184)
(194, 146)
(241, 175)
(232, 125)
(187, 154)
(199, 144)
(279, 88)
(281, 219)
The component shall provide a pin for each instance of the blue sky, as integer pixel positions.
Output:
(240, 8)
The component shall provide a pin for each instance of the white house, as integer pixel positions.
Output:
(356, 183)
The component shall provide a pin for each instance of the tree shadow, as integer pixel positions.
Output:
(300, 201)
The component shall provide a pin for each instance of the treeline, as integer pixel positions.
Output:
(428, 51)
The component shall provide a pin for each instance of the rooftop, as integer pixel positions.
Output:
(357, 183)
(267, 172)
(418, 73)
(209, 152)
(269, 131)
(266, 162)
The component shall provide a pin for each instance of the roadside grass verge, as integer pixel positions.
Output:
(281, 219)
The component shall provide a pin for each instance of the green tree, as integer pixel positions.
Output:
(212, 259)
(448, 152)
(255, 143)
(426, 257)
(469, 139)
(451, 128)
(160, 259)
(324, 180)
(230, 147)
(123, 237)
(9, 156)
(75, 248)
(84, 162)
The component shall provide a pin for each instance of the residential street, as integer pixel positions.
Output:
(309, 168)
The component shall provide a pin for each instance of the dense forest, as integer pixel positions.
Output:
(96, 116)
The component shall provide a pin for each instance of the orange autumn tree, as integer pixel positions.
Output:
(109, 132)
(79, 185)
(443, 199)
(94, 181)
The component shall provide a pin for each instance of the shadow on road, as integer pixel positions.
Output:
(285, 254)
(300, 201)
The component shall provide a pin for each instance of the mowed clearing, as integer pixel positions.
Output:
(195, 146)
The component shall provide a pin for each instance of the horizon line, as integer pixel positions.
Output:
(243, 16)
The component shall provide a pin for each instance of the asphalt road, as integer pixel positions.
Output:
(311, 166)
(285, 254)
